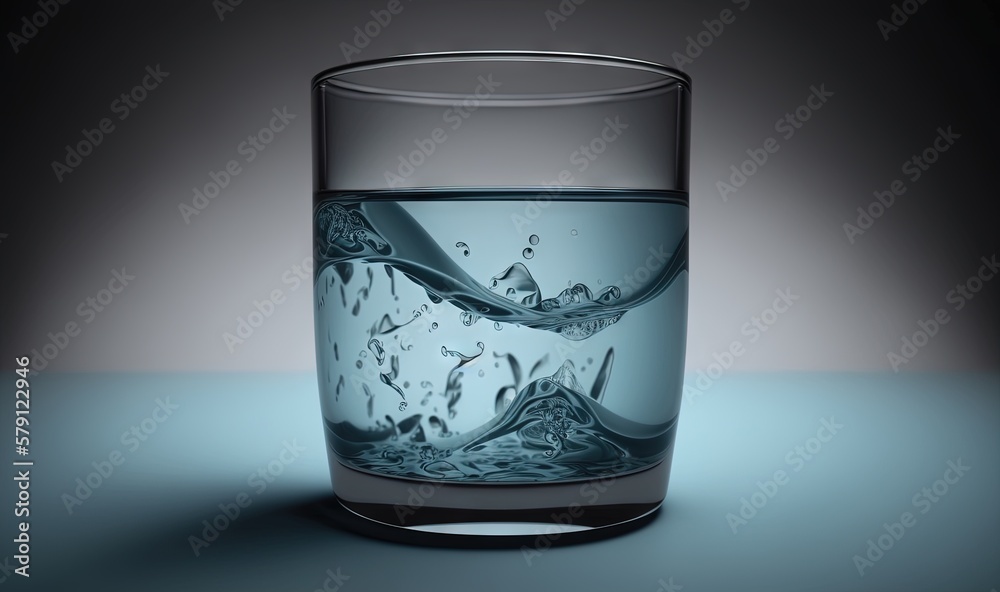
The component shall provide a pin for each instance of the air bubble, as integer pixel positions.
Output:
(573, 232)
(533, 239)
(497, 326)
(482, 373)
(464, 247)
(528, 253)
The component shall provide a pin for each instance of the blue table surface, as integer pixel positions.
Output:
(899, 433)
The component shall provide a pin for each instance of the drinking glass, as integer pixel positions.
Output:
(500, 246)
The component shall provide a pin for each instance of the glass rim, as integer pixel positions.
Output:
(666, 76)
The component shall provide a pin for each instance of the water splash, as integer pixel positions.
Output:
(345, 271)
(583, 330)
(550, 430)
(371, 399)
(347, 232)
(603, 375)
(558, 436)
(386, 326)
(464, 358)
(346, 235)
(438, 424)
(516, 284)
(392, 280)
(539, 364)
(453, 391)
(579, 294)
(377, 349)
(453, 386)
(387, 380)
(340, 385)
(564, 376)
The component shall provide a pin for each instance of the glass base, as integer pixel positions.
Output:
(497, 514)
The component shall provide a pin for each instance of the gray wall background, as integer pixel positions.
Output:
(60, 241)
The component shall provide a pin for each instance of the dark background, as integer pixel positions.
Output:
(784, 228)
(161, 336)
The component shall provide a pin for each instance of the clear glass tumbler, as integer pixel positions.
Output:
(501, 289)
